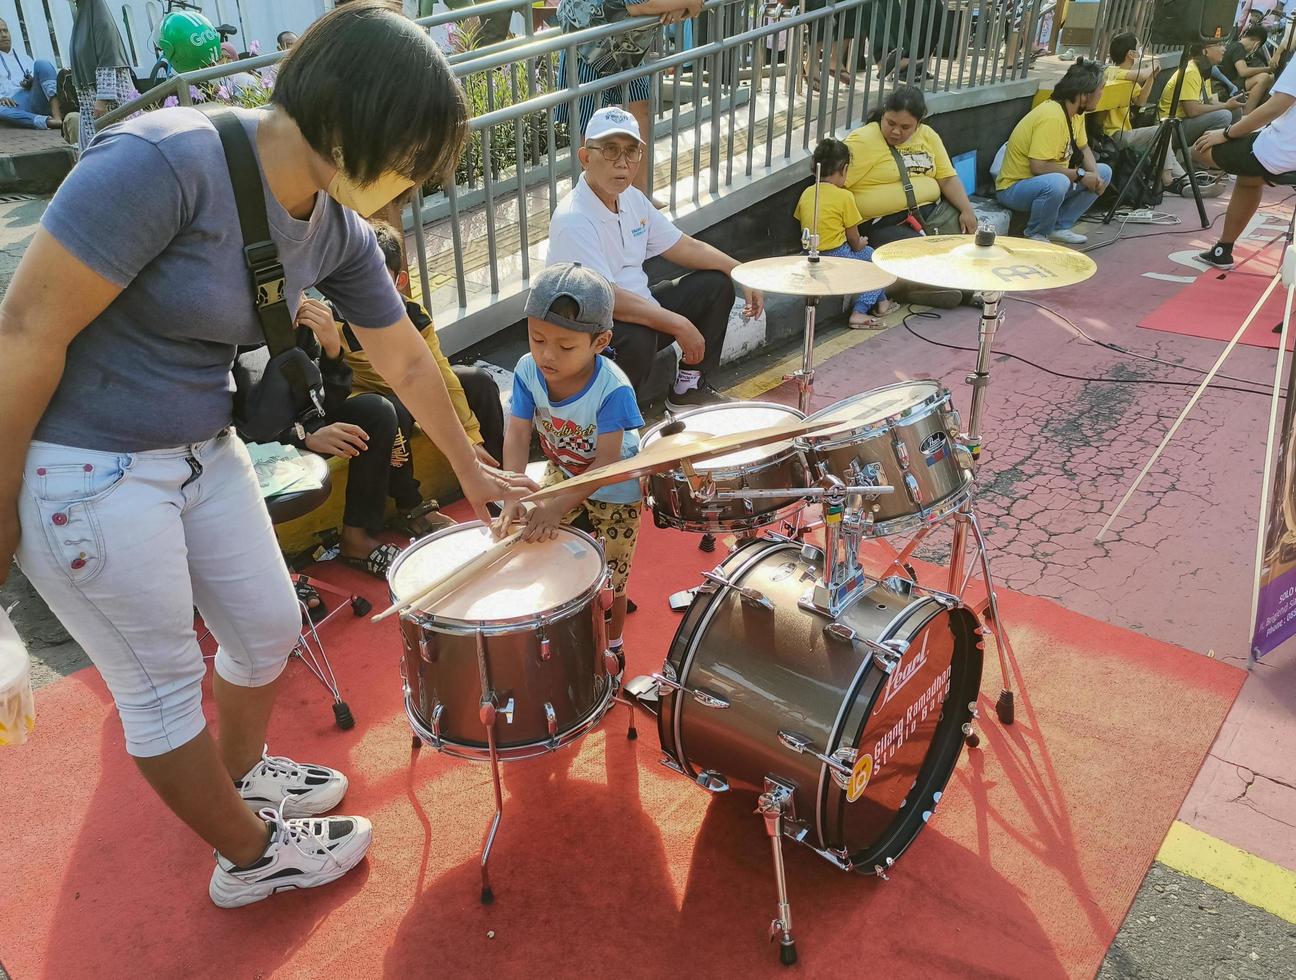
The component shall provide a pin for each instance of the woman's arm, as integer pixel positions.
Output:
(52, 297)
(399, 354)
(953, 191)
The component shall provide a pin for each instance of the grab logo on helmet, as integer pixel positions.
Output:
(199, 38)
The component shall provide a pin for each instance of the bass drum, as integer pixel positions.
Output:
(884, 690)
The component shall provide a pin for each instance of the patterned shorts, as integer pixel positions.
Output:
(615, 525)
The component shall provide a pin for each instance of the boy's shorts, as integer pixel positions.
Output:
(617, 525)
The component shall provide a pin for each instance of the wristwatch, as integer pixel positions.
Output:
(1080, 174)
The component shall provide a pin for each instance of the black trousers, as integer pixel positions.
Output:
(484, 399)
(371, 478)
(703, 298)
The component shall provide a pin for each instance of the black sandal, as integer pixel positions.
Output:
(425, 519)
(310, 597)
(377, 562)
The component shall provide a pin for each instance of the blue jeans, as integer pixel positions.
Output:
(864, 302)
(33, 103)
(1054, 203)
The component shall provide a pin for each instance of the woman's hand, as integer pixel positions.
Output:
(1206, 140)
(485, 484)
(968, 221)
(484, 457)
(318, 318)
(338, 439)
(100, 108)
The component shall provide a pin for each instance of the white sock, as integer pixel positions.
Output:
(687, 379)
(616, 644)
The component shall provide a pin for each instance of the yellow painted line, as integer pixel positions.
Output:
(772, 377)
(1231, 869)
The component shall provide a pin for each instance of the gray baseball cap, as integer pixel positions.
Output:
(591, 293)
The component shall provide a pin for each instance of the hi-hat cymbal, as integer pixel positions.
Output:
(1009, 265)
(668, 452)
(796, 275)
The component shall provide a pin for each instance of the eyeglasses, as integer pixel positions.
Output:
(612, 153)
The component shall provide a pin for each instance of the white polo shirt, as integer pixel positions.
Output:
(615, 244)
(1275, 146)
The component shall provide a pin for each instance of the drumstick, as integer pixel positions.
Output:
(464, 573)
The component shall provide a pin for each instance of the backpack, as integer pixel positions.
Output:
(610, 54)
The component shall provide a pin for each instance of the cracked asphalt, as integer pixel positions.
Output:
(1059, 453)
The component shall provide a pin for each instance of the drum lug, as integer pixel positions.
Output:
(801, 743)
(811, 555)
(913, 490)
(847, 757)
(437, 712)
(881, 871)
(840, 631)
(703, 697)
(426, 652)
(901, 452)
(751, 596)
(490, 711)
(611, 665)
(546, 650)
(713, 781)
(551, 719)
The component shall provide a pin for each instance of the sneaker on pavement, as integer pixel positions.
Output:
(697, 397)
(1066, 236)
(301, 854)
(303, 790)
(1219, 257)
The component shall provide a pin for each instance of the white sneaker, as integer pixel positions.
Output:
(1067, 237)
(302, 790)
(301, 854)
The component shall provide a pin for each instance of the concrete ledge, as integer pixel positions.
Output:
(35, 172)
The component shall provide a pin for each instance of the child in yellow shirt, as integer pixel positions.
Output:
(839, 220)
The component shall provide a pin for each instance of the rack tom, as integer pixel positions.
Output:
(906, 436)
(529, 635)
(770, 467)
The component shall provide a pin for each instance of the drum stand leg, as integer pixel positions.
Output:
(632, 733)
(771, 805)
(964, 519)
(487, 895)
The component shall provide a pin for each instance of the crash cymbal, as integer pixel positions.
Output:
(796, 275)
(1008, 265)
(668, 452)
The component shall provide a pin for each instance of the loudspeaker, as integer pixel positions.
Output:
(1191, 21)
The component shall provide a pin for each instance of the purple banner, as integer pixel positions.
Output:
(1276, 602)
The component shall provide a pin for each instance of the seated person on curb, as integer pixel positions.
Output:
(874, 177)
(1128, 65)
(839, 220)
(1258, 148)
(1198, 108)
(585, 411)
(1248, 67)
(1037, 175)
(473, 393)
(608, 226)
(27, 88)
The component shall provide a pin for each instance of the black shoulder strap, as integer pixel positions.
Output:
(259, 250)
(910, 197)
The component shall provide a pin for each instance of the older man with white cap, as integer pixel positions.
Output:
(608, 225)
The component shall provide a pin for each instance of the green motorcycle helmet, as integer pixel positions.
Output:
(188, 40)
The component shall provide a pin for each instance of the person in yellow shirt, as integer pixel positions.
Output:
(473, 393)
(838, 224)
(874, 177)
(1037, 175)
(1198, 108)
(1127, 65)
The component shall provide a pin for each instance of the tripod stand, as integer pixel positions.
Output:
(1168, 129)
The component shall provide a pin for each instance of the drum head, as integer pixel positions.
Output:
(910, 737)
(535, 578)
(871, 407)
(723, 420)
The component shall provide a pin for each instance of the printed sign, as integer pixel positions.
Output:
(1276, 601)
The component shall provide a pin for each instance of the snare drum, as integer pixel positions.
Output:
(528, 634)
(763, 468)
(907, 437)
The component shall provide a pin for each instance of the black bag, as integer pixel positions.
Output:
(284, 389)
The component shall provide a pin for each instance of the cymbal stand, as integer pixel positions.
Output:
(804, 375)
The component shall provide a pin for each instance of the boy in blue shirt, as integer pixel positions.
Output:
(585, 412)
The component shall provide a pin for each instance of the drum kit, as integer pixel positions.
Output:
(839, 699)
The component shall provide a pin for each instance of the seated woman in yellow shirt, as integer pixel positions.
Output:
(875, 180)
(1037, 175)
(837, 222)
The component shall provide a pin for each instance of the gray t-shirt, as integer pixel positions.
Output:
(150, 207)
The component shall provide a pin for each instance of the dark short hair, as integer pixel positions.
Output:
(1256, 12)
(389, 243)
(280, 36)
(906, 98)
(1121, 45)
(1259, 33)
(366, 79)
(831, 156)
(1083, 78)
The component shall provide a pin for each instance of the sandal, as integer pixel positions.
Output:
(862, 321)
(310, 597)
(426, 518)
(377, 562)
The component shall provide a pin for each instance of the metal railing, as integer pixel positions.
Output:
(744, 87)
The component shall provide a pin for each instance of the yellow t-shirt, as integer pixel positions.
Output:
(1117, 120)
(1193, 91)
(837, 212)
(365, 378)
(1041, 135)
(874, 178)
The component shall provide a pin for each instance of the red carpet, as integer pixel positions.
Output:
(607, 864)
(1214, 305)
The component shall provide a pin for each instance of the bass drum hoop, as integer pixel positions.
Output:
(941, 759)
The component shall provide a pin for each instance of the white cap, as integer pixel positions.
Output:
(612, 121)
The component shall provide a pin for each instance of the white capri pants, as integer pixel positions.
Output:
(123, 546)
